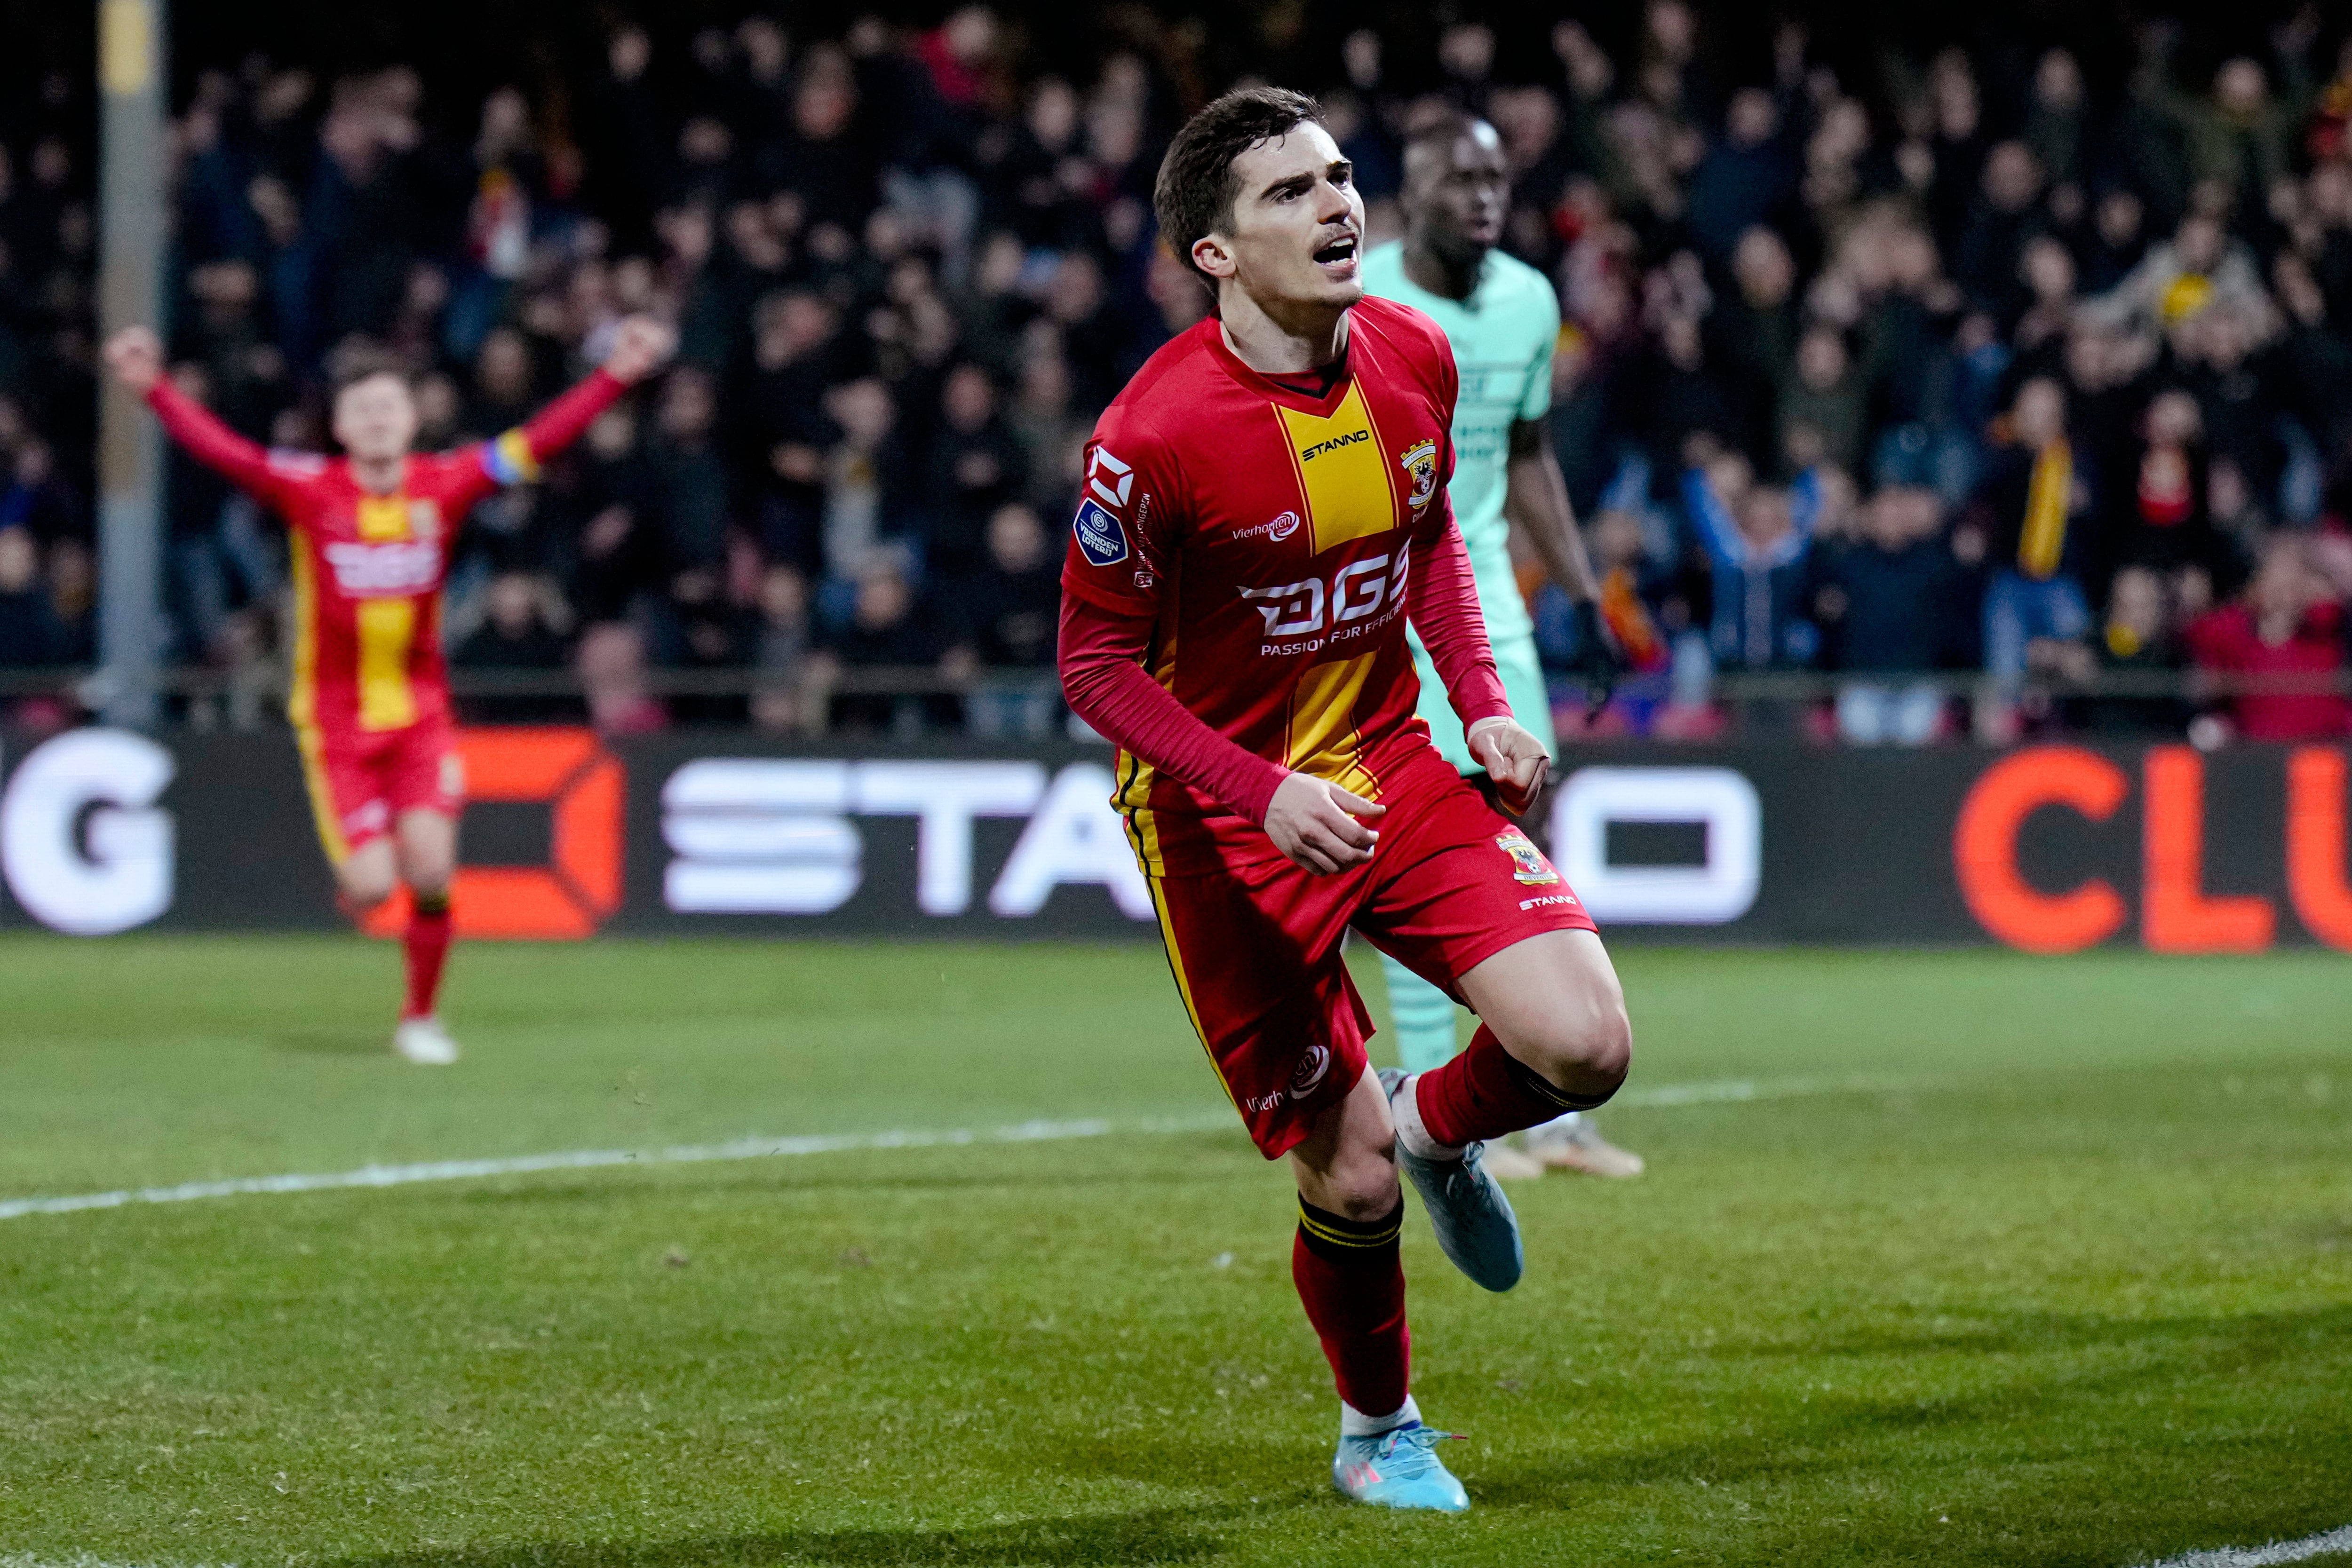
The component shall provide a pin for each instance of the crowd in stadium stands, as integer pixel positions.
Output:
(1964, 363)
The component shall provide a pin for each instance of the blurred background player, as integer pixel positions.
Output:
(1265, 507)
(370, 698)
(1503, 320)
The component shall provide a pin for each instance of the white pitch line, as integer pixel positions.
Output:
(1733, 1091)
(2272, 1556)
(2321, 1545)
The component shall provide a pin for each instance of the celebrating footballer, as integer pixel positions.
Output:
(370, 698)
(1264, 514)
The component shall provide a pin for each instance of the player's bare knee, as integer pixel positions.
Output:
(1366, 1190)
(365, 886)
(1586, 1044)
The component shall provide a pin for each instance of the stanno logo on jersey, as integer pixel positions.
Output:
(1102, 540)
(1419, 466)
(1528, 864)
(1281, 529)
(382, 572)
(1110, 480)
(1309, 454)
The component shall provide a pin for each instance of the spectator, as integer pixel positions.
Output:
(517, 636)
(1756, 539)
(2164, 524)
(976, 466)
(866, 486)
(32, 634)
(2199, 268)
(2138, 641)
(1011, 613)
(2033, 512)
(886, 633)
(2286, 627)
(1822, 406)
(1745, 178)
(1887, 602)
(781, 649)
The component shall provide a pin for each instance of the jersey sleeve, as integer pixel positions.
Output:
(517, 457)
(1101, 655)
(1535, 396)
(274, 478)
(1129, 519)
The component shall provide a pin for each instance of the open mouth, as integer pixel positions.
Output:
(1338, 250)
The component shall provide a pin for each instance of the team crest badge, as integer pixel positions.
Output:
(1528, 863)
(1419, 466)
(424, 519)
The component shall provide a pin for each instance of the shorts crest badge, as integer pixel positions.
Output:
(1528, 863)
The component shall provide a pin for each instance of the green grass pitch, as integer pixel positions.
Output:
(2007, 1261)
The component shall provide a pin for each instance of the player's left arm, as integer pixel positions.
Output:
(639, 348)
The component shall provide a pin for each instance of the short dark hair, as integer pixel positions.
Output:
(354, 363)
(1439, 128)
(1197, 187)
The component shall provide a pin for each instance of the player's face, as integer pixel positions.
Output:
(1455, 195)
(376, 419)
(1299, 225)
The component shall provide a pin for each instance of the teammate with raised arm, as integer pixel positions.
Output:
(1265, 509)
(1502, 320)
(370, 698)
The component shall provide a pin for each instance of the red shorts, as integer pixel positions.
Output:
(1255, 947)
(362, 783)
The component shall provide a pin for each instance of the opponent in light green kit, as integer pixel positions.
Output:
(1503, 319)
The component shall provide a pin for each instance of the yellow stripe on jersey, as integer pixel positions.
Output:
(382, 519)
(1343, 469)
(1323, 740)
(1184, 985)
(387, 629)
(1133, 797)
(302, 692)
(302, 705)
(323, 800)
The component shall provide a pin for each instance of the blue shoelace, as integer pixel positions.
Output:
(1413, 1448)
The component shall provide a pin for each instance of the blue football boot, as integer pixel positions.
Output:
(1472, 1219)
(1398, 1468)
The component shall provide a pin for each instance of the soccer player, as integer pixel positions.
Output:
(369, 701)
(1264, 509)
(1503, 320)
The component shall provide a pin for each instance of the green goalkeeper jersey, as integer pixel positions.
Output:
(1503, 337)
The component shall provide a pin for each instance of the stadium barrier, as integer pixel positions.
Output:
(2045, 848)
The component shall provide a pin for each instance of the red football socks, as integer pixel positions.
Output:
(1486, 1093)
(428, 949)
(1352, 1282)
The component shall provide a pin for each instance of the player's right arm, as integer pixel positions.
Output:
(1112, 580)
(136, 356)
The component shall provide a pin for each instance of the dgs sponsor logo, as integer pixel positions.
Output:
(1357, 592)
(367, 572)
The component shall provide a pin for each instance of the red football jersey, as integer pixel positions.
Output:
(368, 568)
(1268, 532)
